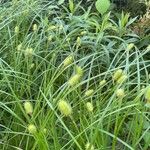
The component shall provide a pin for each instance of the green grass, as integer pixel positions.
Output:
(35, 72)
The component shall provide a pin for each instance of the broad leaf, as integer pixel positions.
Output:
(102, 6)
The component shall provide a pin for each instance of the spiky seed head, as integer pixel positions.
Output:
(89, 92)
(44, 130)
(19, 47)
(79, 70)
(25, 12)
(16, 29)
(61, 27)
(35, 27)
(117, 74)
(64, 107)
(83, 32)
(74, 80)
(68, 60)
(103, 82)
(52, 27)
(89, 146)
(32, 129)
(130, 46)
(78, 41)
(32, 65)
(50, 38)
(122, 79)
(28, 52)
(68, 39)
(120, 93)
(89, 107)
(28, 107)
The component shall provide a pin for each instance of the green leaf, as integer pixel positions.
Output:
(102, 6)
(60, 2)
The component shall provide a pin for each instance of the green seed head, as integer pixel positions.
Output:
(83, 32)
(68, 61)
(35, 27)
(50, 38)
(78, 41)
(120, 93)
(28, 108)
(32, 65)
(122, 79)
(103, 82)
(44, 130)
(79, 71)
(68, 39)
(28, 52)
(130, 46)
(52, 27)
(65, 108)
(88, 146)
(89, 106)
(89, 92)
(74, 80)
(117, 74)
(19, 47)
(32, 129)
(17, 29)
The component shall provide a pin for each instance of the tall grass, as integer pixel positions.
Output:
(35, 39)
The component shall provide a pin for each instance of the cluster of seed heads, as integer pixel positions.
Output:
(119, 76)
(28, 107)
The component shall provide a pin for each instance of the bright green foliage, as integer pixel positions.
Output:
(68, 80)
(102, 6)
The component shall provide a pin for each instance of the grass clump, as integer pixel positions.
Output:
(71, 79)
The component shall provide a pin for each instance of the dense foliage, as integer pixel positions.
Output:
(72, 78)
